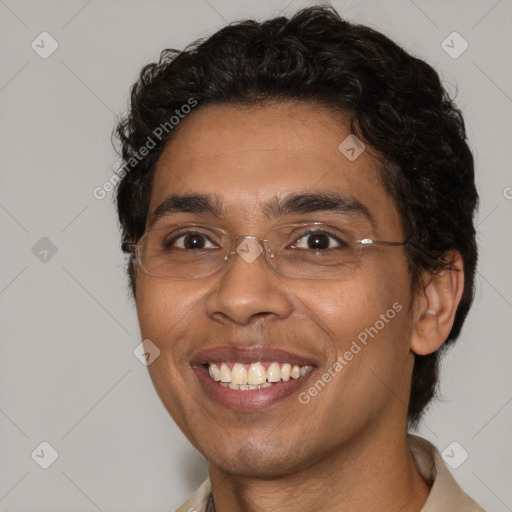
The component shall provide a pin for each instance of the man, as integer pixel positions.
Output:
(298, 201)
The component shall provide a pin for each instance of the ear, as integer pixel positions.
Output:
(435, 306)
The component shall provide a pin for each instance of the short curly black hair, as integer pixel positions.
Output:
(396, 104)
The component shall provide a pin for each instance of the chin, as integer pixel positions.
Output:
(249, 460)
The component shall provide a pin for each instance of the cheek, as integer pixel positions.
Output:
(167, 312)
(163, 305)
(346, 308)
(367, 320)
(153, 305)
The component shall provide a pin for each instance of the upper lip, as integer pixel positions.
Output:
(249, 355)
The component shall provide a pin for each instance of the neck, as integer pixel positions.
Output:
(376, 473)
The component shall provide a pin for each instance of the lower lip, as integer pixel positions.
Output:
(248, 400)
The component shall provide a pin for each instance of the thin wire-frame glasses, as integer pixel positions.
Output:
(311, 250)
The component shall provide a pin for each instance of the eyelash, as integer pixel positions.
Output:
(338, 240)
(170, 243)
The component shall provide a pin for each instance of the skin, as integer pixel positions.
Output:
(346, 450)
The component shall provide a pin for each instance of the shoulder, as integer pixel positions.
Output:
(445, 493)
(198, 501)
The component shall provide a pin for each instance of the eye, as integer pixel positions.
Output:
(190, 241)
(319, 241)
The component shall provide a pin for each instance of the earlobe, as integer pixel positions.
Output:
(436, 305)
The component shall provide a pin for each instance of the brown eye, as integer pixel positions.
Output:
(190, 241)
(319, 241)
(194, 242)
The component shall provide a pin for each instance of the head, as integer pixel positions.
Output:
(253, 117)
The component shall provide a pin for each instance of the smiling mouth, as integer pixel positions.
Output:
(247, 379)
(254, 376)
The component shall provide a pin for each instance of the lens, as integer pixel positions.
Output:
(312, 251)
(313, 266)
(185, 253)
(309, 251)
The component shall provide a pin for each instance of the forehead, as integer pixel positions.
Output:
(248, 157)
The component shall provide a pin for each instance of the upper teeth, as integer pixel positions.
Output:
(254, 374)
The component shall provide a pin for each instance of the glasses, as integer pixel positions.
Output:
(306, 250)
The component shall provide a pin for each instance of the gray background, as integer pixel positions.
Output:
(68, 375)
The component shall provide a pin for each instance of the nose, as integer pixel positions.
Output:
(248, 289)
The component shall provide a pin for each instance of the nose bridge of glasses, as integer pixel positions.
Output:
(249, 248)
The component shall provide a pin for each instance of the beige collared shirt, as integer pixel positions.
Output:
(445, 495)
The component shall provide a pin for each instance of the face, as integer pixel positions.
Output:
(350, 334)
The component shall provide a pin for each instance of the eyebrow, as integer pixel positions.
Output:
(317, 202)
(298, 203)
(189, 203)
